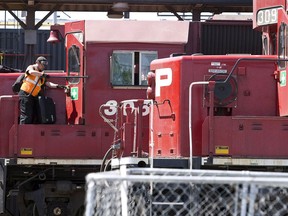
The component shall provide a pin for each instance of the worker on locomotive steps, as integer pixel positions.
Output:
(31, 87)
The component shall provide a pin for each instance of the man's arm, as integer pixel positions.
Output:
(51, 84)
(31, 70)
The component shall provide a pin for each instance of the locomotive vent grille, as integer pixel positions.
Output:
(256, 126)
(81, 133)
(285, 127)
(55, 132)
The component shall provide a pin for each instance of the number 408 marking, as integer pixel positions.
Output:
(112, 107)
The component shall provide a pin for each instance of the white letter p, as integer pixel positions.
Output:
(163, 78)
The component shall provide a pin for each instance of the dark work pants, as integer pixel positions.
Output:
(27, 105)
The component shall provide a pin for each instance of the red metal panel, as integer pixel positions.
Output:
(8, 115)
(249, 137)
(166, 128)
(58, 141)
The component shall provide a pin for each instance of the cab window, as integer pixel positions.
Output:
(283, 41)
(130, 68)
(74, 63)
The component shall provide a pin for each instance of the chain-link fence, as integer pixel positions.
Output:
(154, 192)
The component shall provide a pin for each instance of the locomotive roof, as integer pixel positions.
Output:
(113, 31)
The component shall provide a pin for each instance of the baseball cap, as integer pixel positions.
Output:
(42, 60)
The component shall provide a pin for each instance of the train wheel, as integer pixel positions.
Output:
(57, 208)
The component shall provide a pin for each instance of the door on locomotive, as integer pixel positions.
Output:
(75, 67)
(282, 52)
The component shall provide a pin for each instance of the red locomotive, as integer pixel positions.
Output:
(224, 111)
(108, 64)
(43, 166)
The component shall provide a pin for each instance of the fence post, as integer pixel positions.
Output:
(252, 198)
(244, 199)
(123, 189)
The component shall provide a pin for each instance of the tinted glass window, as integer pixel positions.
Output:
(131, 67)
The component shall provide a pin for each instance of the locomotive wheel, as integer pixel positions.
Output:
(53, 209)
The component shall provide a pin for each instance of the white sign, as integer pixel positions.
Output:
(163, 78)
(267, 16)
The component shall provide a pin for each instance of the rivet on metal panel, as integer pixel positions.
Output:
(159, 134)
(171, 134)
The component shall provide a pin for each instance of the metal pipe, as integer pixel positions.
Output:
(190, 117)
(151, 132)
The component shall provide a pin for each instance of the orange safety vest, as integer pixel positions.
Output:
(29, 82)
